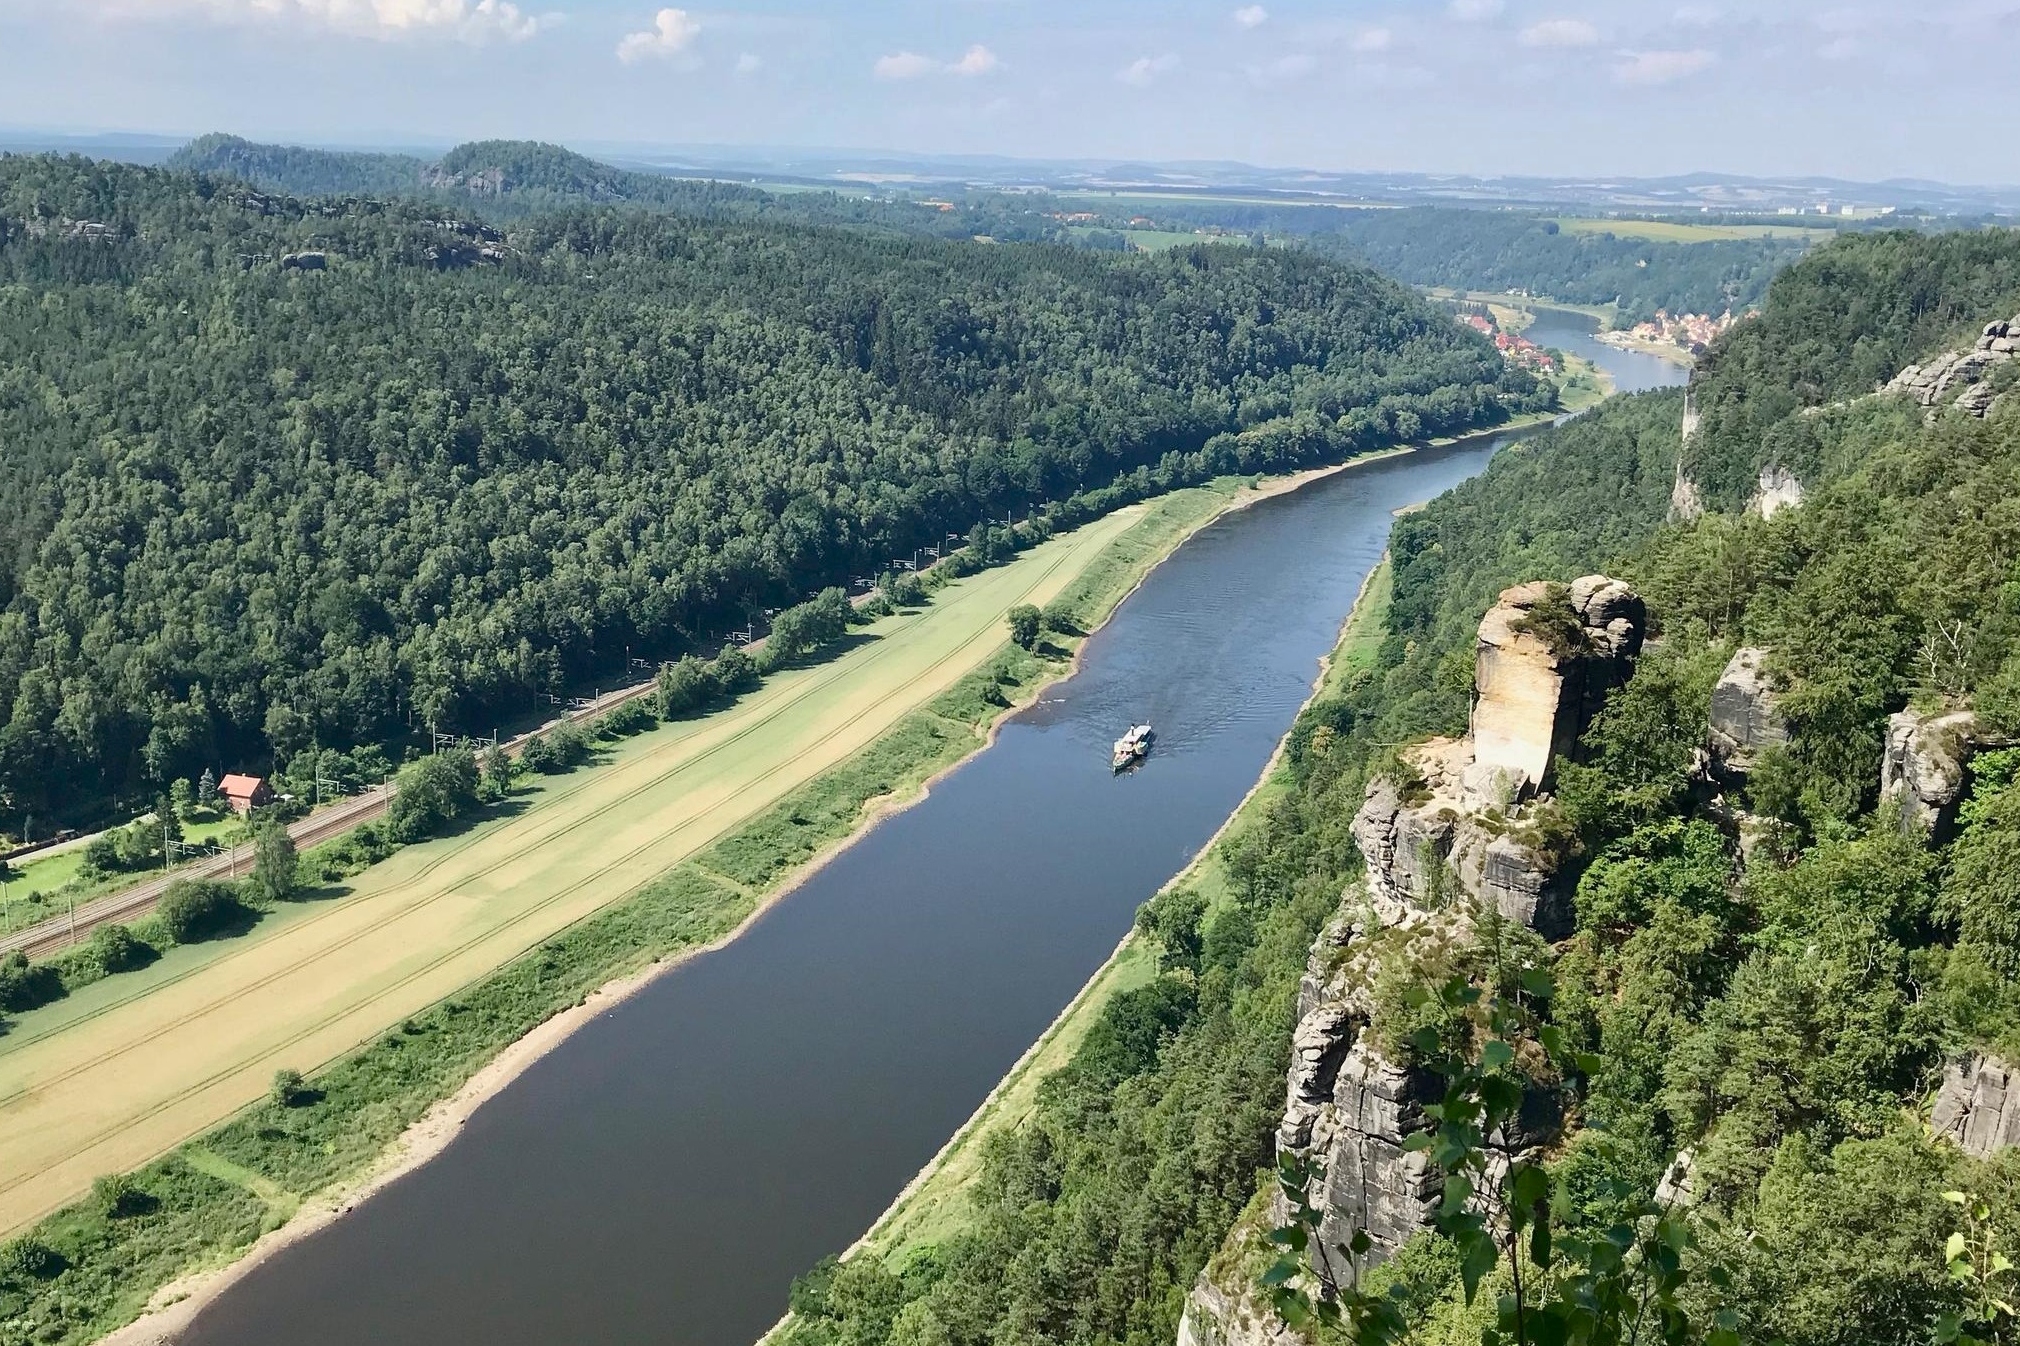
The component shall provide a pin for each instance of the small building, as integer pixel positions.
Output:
(245, 793)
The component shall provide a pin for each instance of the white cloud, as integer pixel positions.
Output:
(1560, 33)
(1145, 69)
(673, 31)
(1472, 11)
(1659, 67)
(904, 65)
(1251, 16)
(468, 20)
(977, 60)
(1373, 40)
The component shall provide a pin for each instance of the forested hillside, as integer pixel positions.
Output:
(1780, 1012)
(509, 179)
(283, 471)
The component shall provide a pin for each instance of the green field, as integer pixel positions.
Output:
(1681, 231)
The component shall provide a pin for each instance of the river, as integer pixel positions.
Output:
(664, 1174)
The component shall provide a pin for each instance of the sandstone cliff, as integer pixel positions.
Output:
(1970, 380)
(1463, 833)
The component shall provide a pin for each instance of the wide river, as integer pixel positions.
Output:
(664, 1174)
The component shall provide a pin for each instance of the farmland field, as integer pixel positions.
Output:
(133, 1065)
(1675, 231)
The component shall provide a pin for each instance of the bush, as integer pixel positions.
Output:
(633, 717)
(288, 1088)
(195, 909)
(434, 792)
(25, 985)
(1058, 617)
(114, 949)
(686, 687)
(117, 1196)
(735, 672)
(30, 1259)
(904, 589)
(560, 749)
(101, 854)
(799, 631)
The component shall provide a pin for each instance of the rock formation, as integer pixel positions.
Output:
(1776, 489)
(1744, 720)
(1978, 1107)
(1460, 835)
(1469, 815)
(1963, 379)
(1927, 765)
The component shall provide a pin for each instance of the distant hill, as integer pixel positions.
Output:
(518, 177)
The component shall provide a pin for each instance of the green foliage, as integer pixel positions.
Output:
(288, 1088)
(276, 869)
(1980, 1265)
(633, 717)
(118, 1196)
(1982, 891)
(433, 794)
(627, 429)
(196, 909)
(802, 630)
(25, 986)
(1025, 625)
(557, 751)
(115, 949)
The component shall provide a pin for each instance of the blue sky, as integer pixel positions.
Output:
(1838, 87)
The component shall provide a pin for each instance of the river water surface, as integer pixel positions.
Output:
(662, 1176)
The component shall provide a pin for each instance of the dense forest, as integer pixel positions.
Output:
(284, 471)
(1781, 1011)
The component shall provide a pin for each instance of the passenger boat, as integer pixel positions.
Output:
(1132, 747)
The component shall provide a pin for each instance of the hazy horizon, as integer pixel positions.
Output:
(1476, 87)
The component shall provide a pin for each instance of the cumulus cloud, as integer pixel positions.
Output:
(1560, 33)
(673, 31)
(1145, 69)
(1251, 16)
(1373, 40)
(1472, 11)
(977, 60)
(1659, 67)
(467, 20)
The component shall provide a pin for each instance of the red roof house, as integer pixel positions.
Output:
(245, 793)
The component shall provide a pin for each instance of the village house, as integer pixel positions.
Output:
(245, 793)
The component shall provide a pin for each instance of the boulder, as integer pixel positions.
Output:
(1978, 1107)
(305, 261)
(1956, 378)
(1926, 764)
(1744, 721)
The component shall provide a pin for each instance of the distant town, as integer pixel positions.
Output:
(1690, 332)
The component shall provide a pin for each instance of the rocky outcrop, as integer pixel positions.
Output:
(1964, 379)
(305, 261)
(1926, 765)
(1776, 489)
(1978, 1106)
(1466, 822)
(1744, 718)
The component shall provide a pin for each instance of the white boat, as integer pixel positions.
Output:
(1132, 747)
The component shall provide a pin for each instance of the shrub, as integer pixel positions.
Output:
(25, 985)
(101, 854)
(686, 687)
(433, 793)
(114, 949)
(560, 749)
(288, 1088)
(633, 717)
(1025, 625)
(735, 672)
(194, 909)
(117, 1196)
(804, 629)
(1058, 616)
(904, 589)
(30, 1259)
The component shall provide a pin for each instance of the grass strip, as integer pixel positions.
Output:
(83, 1272)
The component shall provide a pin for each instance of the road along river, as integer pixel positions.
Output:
(662, 1175)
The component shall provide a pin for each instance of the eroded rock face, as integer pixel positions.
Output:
(1744, 720)
(1978, 1106)
(1927, 765)
(1958, 378)
(1530, 701)
(1776, 490)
